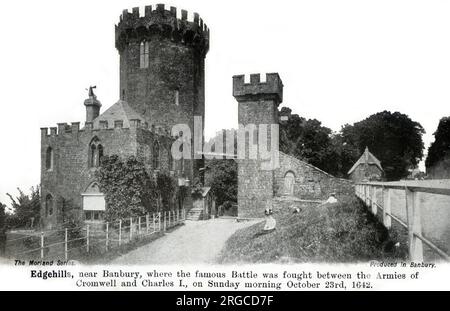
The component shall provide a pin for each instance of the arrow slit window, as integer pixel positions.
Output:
(144, 54)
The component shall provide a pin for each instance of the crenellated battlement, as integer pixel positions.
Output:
(272, 88)
(73, 129)
(136, 26)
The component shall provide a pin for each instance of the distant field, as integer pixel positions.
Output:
(343, 232)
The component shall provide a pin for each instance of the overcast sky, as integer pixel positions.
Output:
(340, 61)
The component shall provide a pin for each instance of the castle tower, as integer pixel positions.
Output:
(162, 65)
(258, 105)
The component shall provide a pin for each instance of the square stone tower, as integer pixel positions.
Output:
(258, 109)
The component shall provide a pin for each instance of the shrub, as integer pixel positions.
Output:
(129, 190)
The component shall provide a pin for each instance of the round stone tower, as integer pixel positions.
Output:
(162, 64)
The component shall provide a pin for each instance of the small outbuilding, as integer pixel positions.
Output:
(367, 168)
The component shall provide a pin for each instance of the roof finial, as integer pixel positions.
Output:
(91, 91)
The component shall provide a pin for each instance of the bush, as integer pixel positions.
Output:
(129, 190)
(166, 188)
(26, 209)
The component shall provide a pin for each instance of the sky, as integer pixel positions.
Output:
(340, 61)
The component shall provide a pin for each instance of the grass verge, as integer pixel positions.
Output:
(343, 232)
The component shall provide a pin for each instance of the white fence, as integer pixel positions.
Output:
(75, 242)
(422, 207)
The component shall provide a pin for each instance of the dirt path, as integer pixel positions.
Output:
(195, 242)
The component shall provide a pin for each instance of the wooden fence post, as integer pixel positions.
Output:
(159, 221)
(147, 222)
(154, 222)
(131, 228)
(107, 236)
(387, 209)
(165, 221)
(87, 238)
(374, 200)
(120, 232)
(66, 255)
(42, 245)
(414, 226)
(139, 225)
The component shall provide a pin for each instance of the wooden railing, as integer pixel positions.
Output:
(76, 242)
(427, 219)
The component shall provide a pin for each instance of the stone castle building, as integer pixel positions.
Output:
(292, 180)
(162, 83)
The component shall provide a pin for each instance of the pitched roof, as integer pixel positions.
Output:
(205, 191)
(366, 158)
(119, 111)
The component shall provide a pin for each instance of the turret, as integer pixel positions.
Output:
(162, 67)
(92, 106)
(258, 110)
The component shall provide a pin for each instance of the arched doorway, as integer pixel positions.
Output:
(289, 182)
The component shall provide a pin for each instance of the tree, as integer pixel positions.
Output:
(25, 208)
(221, 174)
(440, 148)
(166, 188)
(129, 189)
(2, 217)
(307, 140)
(393, 138)
(2, 229)
(222, 178)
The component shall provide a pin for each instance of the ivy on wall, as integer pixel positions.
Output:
(130, 190)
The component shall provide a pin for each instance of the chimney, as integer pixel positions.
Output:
(92, 107)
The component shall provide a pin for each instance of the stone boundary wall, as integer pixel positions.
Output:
(310, 181)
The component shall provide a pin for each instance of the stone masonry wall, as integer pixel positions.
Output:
(310, 181)
(71, 174)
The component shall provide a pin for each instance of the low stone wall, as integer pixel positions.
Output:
(310, 181)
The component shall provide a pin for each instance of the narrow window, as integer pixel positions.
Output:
(156, 155)
(92, 156)
(144, 50)
(96, 152)
(100, 154)
(170, 159)
(182, 159)
(177, 97)
(49, 159)
(87, 215)
(49, 205)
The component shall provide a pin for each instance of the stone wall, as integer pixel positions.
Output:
(310, 182)
(71, 174)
